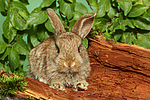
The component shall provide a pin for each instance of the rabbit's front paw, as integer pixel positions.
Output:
(81, 85)
(57, 85)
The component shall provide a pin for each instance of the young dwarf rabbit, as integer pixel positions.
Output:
(62, 60)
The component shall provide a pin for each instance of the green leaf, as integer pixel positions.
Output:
(103, 7)
(127, 37)
(80, 8)
(101, 24)
(37, 17)
(117, 36)
(14, 59)
(20, 9)
(46, 3)
(125, 5)
(93, 2)
(1, 66)
(66, 9)
(9, 31)
(114, 25)
(42, 33)
(143, 40)
(33, 37)
(129, 22)
(137, 10)
(18, 15)
(5, 54)
(71, 1)
(21, 47)
(146, 2)
(26, 65)
(2, 5)
(146, 16)
(17, 20)
(3, 46)
(142, 24)
(111, 12)
(76, 16)
(85, 42)
(24, 1)
(48, 26)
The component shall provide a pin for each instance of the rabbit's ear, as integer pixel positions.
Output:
(83, 25)
(56, 22)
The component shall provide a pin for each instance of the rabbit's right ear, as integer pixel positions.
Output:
(83, 25)
(56, 22)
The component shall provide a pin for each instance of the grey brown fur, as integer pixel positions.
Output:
(62, 60)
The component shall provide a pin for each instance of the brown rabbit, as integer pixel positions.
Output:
(62, 60)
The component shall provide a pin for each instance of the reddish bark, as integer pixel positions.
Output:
(119, 72)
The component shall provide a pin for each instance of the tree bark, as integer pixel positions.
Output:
(119, 72)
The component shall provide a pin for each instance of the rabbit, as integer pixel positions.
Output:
(61, 60)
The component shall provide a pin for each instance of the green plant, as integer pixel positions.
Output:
(11, 84)
(126, 21)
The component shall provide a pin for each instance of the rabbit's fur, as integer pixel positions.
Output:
(62, 60)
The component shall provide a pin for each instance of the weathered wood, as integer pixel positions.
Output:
(119, 72)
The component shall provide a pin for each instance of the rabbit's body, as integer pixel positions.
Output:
(61, 60)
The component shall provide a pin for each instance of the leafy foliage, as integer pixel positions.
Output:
(126, 21)
(11, 84)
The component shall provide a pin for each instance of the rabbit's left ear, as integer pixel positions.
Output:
(56, 22)
(83, 25)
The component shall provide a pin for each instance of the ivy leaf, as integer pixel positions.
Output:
(17, 21)
(85, 42)
(111, 12)
(137, 10)
(37, 17)
(146, 2)
(125, 5)
(143, 40)
(48, 26)
(14, 59)
(129, 22)
(70, 1)
(80, 8)
(24, 1)
(103, 7)
(9, 31)
(33, 37)
(3, 46)
(101, 24)
(139, 23)
(117, 35)
(18, 15)
(42, 33)
(127, 37)
(66, 9)
(146, 16)
(21, 47)
(5, 54)
(93, 2)
(76, 16)
(114, 25)
(46, 3)
(21, 9)
(2, 5)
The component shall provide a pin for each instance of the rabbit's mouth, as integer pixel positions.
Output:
(68, 71)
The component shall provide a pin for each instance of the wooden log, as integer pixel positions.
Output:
(119, 72)
(123, 56)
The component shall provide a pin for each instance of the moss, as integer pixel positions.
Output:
(11, 84)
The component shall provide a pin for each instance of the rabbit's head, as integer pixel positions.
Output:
(71, 54)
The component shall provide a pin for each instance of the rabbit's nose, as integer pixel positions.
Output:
(69, 64)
